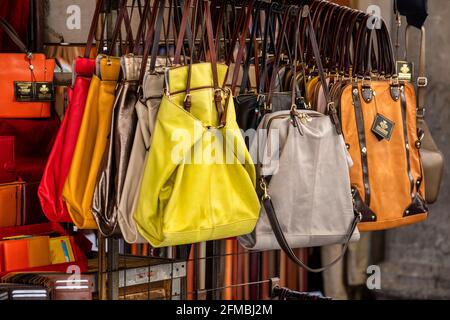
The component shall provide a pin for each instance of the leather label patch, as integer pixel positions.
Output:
(383, 127)
(44, 91)
(26, 91)
(405, 71)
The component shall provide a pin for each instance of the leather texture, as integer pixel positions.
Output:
(309, 182)
(147, 109)
(16, 67)
(11, 204)
(111, 176)
(387, 174)
(433, 163)
(60, 159)
(7, 160)
(92, 142)
(182, 201)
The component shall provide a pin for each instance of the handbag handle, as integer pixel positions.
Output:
(122, 17)
(93, 28)
(9, 30)
(330, 104)
(153, 36)
(140, 31)
(184, 26)
(242, 42)
(213, 61)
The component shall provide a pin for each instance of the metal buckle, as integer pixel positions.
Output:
(420, 113)
(422, 81)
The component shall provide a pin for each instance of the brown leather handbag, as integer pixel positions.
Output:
(26, 81)
(378, 119)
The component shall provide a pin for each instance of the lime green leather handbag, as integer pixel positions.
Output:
(196, 188)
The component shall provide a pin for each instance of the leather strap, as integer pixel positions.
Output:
(141, 27)
(407, 144)
(148, 40)
(158, 29)
(330, 105)
(93, 28)
(422, 80)
(182, 32)
(213, 60)
(362, 140)
(282, 241)
(122, 17)
(9, 30)
(242, 42)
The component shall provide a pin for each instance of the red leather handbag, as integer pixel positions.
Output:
(7, 163)
(60, 159)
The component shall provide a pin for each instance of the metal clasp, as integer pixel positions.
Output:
(263, 186)
(422, 81)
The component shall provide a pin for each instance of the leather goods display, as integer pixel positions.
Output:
(22, 255)
(91, 144)
(58, 286)
(61, 155)
(432, 157)
(379, 125)
(60, 159)
(168, 211)
(26, 81)
(146, 107)
(12, 198)
(7, 160)
(111, 177)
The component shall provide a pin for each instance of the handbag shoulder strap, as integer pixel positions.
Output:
(422, 80)
(282, 241)
(8, 28)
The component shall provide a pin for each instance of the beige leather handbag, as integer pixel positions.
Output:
(147, 110)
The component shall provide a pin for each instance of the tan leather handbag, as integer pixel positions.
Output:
(379, 125)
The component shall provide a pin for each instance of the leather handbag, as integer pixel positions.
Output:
(61, 155)
(174, 205)
(302, 157)
(12, 197)
(379, 125)
(146, 107)
(111, 176)
(7, 160)
(26, 81)
(91, 144)
(432, 157)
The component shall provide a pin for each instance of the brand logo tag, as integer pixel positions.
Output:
(383, 127)
(26, 91)
(405, 71)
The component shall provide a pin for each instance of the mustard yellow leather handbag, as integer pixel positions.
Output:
(91, 144)
(186, 195)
